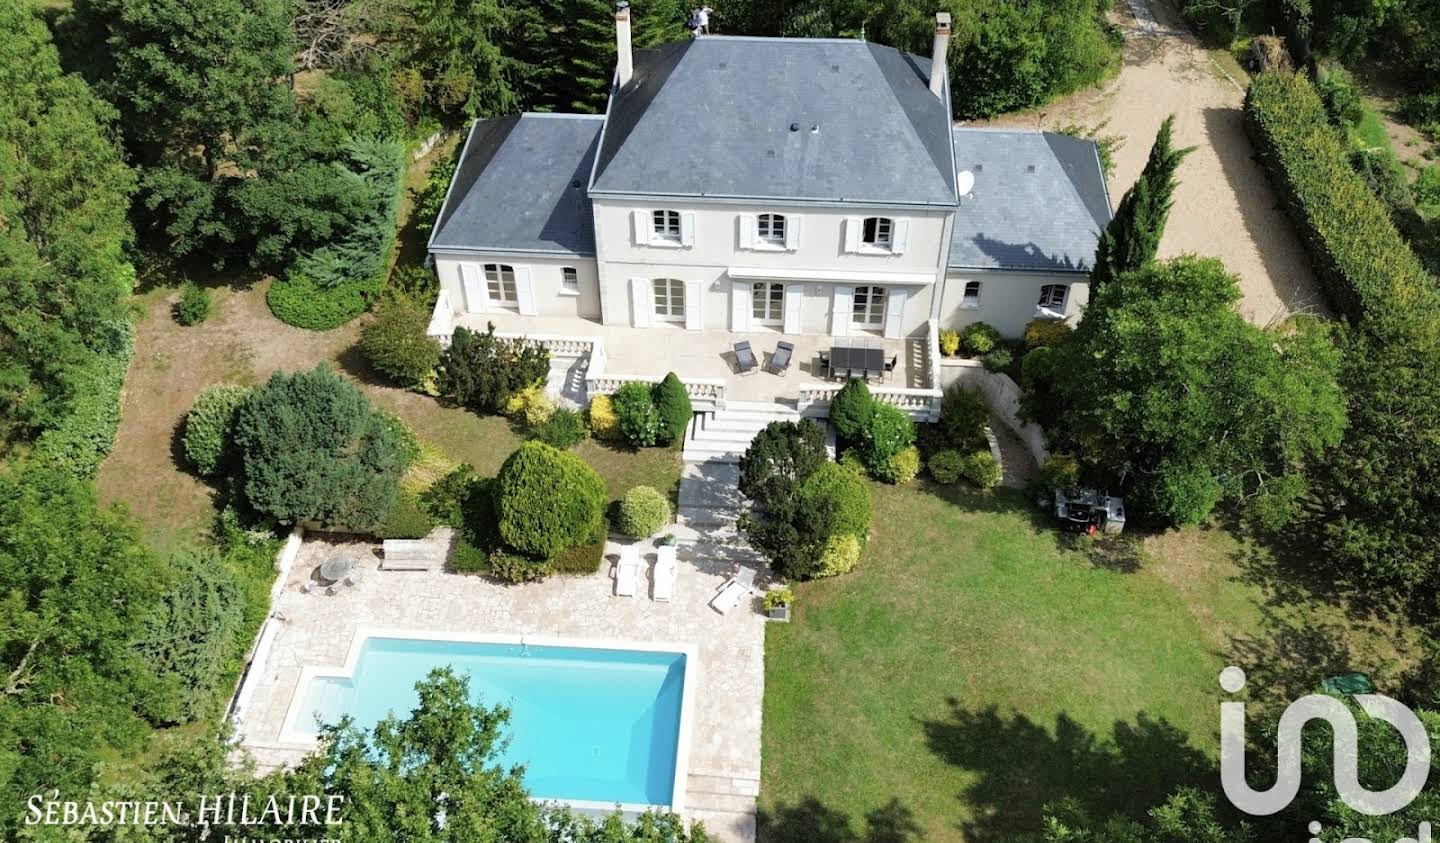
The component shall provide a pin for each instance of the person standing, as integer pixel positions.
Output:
(704, 19)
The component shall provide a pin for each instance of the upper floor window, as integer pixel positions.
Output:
(770, 229)
(971, 299)
(1052, 297)
(500, 283)
(669, 299)
(570, 278)
(878, 233)
(666, 225)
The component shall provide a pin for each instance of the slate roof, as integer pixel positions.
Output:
(1039, 201)
(712, 117)
(520, 186)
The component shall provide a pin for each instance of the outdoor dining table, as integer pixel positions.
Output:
(851, 360)
(336, 568)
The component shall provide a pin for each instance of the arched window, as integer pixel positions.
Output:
(669, 299)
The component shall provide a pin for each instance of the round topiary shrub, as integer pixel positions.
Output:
(672, 402)
(851, 409)
(396, 345)
(604, 424)
(210, 425)
(981, 469)
(978, 338)
(194, 305)
(547, 500)
(841, 555)
(945, 466)
(636, 417)
(904, 465)
(642, 512)
(844, 494)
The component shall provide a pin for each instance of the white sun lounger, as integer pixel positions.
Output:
(627, 571)
(734, 590)
(665, 570)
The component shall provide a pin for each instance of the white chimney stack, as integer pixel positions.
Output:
(624, 64)
(937, 55)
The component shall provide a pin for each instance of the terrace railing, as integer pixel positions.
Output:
(922, 403)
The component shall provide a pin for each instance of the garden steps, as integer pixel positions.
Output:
(723, 435)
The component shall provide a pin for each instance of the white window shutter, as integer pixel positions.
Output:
(687, 228)
(853, 226)
(792, 232)
(794, 296)
(895, 298)
(642, 302)
(640, 219)
(900, 237)
(840, 315)
(524, 291)
(747, 230)
(694, 305)
(740, 306)
(472, 284)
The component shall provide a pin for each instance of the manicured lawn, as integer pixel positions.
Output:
(978, 665)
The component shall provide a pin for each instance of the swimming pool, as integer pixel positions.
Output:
(594, 724)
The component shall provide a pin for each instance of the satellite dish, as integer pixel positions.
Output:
(965, 182)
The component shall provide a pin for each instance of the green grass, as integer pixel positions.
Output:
(976, 666)
(1370, 132)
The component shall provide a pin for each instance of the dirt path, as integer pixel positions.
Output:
(1224, 206)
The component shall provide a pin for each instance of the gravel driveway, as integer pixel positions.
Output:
(1224, 206)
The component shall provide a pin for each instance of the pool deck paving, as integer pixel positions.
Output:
(316, 629)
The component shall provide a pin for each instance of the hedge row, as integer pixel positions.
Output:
(1367, 270)
(86, 433)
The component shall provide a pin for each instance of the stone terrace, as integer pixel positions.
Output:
(724, 774)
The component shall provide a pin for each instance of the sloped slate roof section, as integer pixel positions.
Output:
(713, 116)
(521, 187)
(1039, 202)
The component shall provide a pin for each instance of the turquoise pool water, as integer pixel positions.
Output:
(588, 724)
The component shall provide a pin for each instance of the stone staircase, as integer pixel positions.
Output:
(723, 435)
(566, 379)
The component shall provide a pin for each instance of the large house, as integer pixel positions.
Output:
(737, 187)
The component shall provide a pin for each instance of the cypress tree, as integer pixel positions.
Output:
(1132, 238)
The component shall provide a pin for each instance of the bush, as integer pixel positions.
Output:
(945, 466)
(963, 417)
(851, 409)
(297, 300)
(1427, 186)
(1420, 109)
(547, 500)
(949, 342)
(1382, 174)
(194, 305)
(904, 466)
(190, 637)
(482, 371)
(981, 469)
(396, 345)
(448, 498)
(604, 424)
(515, 569)
(1365, 267)
(582, 558)
(777, 598)
(1060, 471)
(405, 520)
(844, 498)
(997, 360)
(414, 282)
(1046, 333)
(840, 556)
(1338, 94)
(977, 338)
(642, 512)
(564, 429)
(637, 420)
(210, 426)
(531, 405)
(469, 559)
(85, 433)
(889, 432)
(672, 402)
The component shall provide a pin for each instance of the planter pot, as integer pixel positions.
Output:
(779, 613)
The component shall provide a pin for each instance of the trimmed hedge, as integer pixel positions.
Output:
(851, 409)
(296, 300)
(642, 512)
(846, 496)
(1365, 267)
(672, 402)
(945, 466)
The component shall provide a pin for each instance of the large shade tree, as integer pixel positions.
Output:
(1170, 395)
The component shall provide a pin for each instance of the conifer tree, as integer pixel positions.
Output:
(1132, 238)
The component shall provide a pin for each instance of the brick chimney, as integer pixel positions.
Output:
(624, 64)
(937, 55)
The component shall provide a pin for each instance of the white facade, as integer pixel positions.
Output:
(534, 285)
(1008, 300)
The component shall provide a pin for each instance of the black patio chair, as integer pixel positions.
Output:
(890, 366)
(745, 360)
(825, 364)
(780, 360)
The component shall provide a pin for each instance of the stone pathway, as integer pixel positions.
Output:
(1016, 464)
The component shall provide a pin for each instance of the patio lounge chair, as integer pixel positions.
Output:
(780, 360)
(733, 591)
(745, 358)
(627, 571)
(665, 570)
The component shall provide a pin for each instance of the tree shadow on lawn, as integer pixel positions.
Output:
(1019, 766)
(811, 821)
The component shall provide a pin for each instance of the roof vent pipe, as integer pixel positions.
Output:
(624, 64)
(937, 55)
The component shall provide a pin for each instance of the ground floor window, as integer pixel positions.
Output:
(868, 307)
(500, 283)
(767, 303)
(669, 299)
(971, 298)
(1052, 297)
